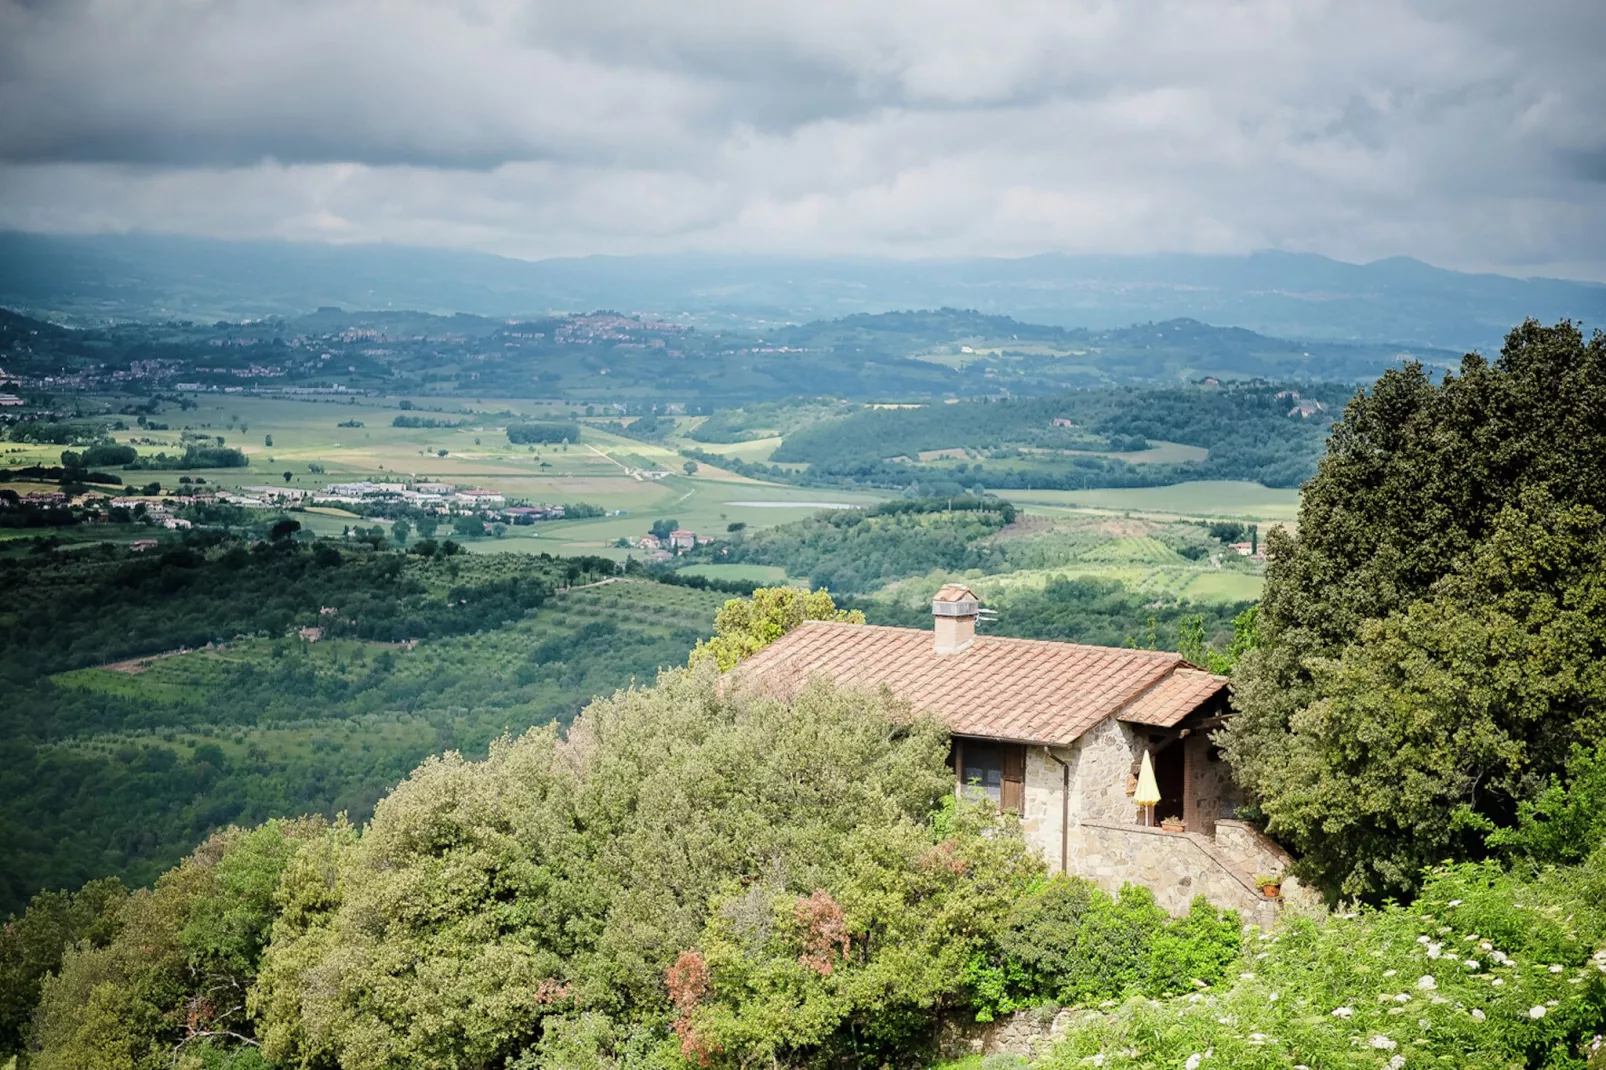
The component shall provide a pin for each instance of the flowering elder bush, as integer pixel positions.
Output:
(1485, 970)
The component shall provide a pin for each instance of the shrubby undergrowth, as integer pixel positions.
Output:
(695, 875)
(702, 876)
(1486, 969)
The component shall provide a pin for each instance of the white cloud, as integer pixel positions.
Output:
(1468, 133)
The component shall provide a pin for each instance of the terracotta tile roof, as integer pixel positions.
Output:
(1173, 697)
(1025, 690)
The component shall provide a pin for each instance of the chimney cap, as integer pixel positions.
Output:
(955, 600)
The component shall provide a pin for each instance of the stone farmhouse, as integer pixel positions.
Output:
(1057, 732)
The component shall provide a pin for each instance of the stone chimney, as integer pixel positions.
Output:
(953, 614)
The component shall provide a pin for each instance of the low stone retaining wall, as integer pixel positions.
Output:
(1246, 848)
(1027, 1033)
(1177, 865)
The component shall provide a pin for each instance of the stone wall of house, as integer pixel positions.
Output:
(1100, 766)
(1210, 792)
(1044, 812)
(1105, 844)
(1103, 762)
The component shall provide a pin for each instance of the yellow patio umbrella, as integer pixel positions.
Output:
(1148, 794)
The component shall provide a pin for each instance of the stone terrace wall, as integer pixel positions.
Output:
(1246, 849)
(1176, 865)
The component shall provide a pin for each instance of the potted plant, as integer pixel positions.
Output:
(1173, 824)
(1270, 887)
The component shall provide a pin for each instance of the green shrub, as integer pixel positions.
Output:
(857, 969)
(1067, 942)
(1562, 823)
(1488, 969)
(519, 434)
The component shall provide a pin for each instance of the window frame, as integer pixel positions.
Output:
(1007, 758)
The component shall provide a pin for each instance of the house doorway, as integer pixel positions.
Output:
(1170, 776)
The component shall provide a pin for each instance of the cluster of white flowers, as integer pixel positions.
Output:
(1426, 983)
(1343, 1012)
(1383, 1043)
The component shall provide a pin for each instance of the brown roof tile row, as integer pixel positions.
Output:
(1025, 690)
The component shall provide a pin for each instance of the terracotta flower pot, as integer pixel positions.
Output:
(1174, 826)
(1271, 891)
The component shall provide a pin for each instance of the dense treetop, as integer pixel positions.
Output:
(1433, 639)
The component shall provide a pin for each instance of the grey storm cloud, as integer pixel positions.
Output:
(1469, 132)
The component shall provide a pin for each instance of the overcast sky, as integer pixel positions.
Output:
(1469, 133)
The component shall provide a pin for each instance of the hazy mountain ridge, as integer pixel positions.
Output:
(1290, 295)
(608, 357)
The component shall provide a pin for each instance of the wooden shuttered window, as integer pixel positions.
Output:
(1013, 796)
(992, 770)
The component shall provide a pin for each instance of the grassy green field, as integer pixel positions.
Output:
(744, 573)
(1160, 453)
(1046, 459)
(1180, 582)
(1203, 498)
(757, 451)
(1144, 555)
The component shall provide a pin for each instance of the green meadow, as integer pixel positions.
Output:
(1223, 498)
(741, 573)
